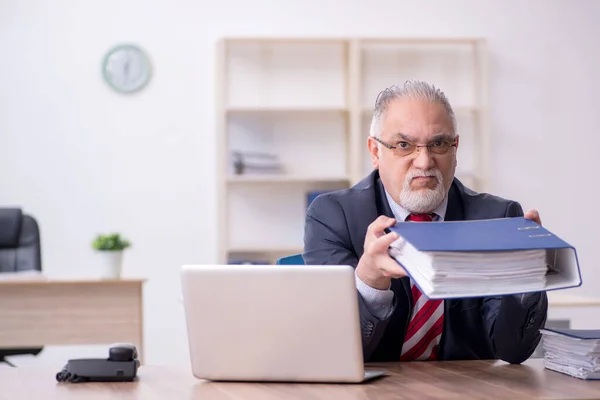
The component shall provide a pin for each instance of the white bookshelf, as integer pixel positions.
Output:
(309, 101)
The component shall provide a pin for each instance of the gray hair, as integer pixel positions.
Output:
(411, 89)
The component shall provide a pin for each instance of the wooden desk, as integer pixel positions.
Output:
(415, 380)
(45, 312)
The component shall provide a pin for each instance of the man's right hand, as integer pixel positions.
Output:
(376, 268)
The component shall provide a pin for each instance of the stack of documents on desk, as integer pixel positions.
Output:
(484, 257)
(572, 352)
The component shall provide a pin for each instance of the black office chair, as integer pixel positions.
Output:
(20, 250)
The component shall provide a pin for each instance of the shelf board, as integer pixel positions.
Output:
(344, 40)
(421, 40)
(266, 41)
(460, 110)
(275, 178)
(285, 110)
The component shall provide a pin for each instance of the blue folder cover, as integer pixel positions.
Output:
(585, 334)
(504, 234)
(491, 235)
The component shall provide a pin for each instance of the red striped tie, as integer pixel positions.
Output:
(427, 320)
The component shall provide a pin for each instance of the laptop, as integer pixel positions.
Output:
(274, 323)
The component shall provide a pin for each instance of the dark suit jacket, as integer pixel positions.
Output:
(504, 328)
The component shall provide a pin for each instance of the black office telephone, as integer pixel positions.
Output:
(120, 366)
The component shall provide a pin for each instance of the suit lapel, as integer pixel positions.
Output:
(454, 211)
(371, 206)
(401, 287)
(383, 207)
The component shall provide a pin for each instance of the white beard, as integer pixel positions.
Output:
(424, 200)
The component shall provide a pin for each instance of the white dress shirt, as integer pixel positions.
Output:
(380, 302)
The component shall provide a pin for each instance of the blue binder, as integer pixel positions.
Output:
(581, 334)
(572, 352)
(485, 238)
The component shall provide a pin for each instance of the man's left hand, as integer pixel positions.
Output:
(534, 216)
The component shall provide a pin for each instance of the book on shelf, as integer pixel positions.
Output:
(256, 163)
(574, 352)
(493, 257)
(247, 262)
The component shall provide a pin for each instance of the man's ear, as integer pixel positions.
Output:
(374, 150)
(456, 151)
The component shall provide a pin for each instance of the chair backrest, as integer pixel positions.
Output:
(295, 259)
(20, 248)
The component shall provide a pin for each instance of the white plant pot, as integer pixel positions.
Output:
(111, 263)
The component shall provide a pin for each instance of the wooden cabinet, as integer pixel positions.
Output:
(296, 112)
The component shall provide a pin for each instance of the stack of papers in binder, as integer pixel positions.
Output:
(572, 352)
(484, 257)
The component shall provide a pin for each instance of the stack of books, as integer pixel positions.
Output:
(484, 257)
(572, 352)
(256, 163)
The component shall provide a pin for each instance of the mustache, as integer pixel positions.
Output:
(416, 173)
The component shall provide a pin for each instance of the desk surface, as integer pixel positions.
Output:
(30, 280)
(415, 380)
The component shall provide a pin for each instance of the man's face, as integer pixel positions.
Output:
(420, 181)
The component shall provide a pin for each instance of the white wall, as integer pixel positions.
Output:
(83, 159)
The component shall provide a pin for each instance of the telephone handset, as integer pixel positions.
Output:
(120, 366)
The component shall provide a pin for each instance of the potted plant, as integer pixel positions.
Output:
(110, 247)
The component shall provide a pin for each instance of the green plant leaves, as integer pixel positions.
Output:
(110, 242)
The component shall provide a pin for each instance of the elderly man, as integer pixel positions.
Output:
(413, 144)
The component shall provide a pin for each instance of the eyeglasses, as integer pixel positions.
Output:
(405, 148)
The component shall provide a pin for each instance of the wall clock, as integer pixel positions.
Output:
(127, 68)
